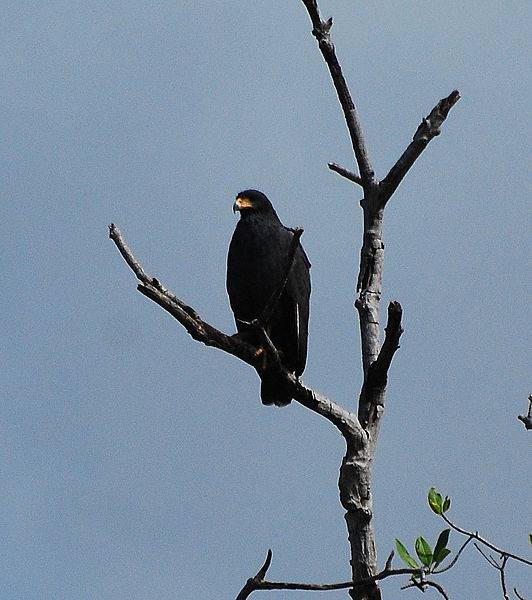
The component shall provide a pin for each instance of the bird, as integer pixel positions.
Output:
(256, 266)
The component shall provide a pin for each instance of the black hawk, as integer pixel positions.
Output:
(256, 265)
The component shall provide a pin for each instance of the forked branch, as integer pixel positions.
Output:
(321, 31)
(428, 129)
(500, 567)
(476, 536)
(258, 582)
(422, 585)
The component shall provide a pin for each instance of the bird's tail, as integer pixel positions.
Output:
(273, 390)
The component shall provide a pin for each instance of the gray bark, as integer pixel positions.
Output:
(355, 472)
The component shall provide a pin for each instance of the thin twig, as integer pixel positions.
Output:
(252, 582)
(438, 587)
(423, 584)
(321, 31)
(519, 595)
(455, 559)
(388, 564)
(500, 567)
(263, 570)
(345, 173)
(488, 557)
(127, 255)
(476, 536)
(503, 578)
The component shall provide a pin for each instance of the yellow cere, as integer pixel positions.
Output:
(244, 202)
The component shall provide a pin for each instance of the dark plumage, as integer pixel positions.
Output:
(256, 264)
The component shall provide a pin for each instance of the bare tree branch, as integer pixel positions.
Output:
(321, 31)
(428, 129)
(127, 255)
(252, 582)
(371, 402)
(345, 173)
(527, 419)
(488, 557)
(500, 567)
(200, 330)
(519, 595)
(503, 578)
(258, 582)
(438, 587)
(379, 369)
(264, 569)
(421, 585)
(187, 316)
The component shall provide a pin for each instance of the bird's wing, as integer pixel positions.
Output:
(298, 294)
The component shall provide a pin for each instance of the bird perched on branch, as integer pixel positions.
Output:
(257, 263)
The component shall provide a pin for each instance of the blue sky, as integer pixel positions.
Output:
(137, 464)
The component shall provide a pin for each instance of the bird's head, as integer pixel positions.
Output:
(252, 202)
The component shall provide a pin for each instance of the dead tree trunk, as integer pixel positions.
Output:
(355, 473)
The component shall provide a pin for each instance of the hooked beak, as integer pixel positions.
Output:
(241, 203)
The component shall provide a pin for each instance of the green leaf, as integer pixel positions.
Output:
(403, 553)
(424, 551)
(435, 501)
(441, 544)
(446, 504)
(441, 556)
